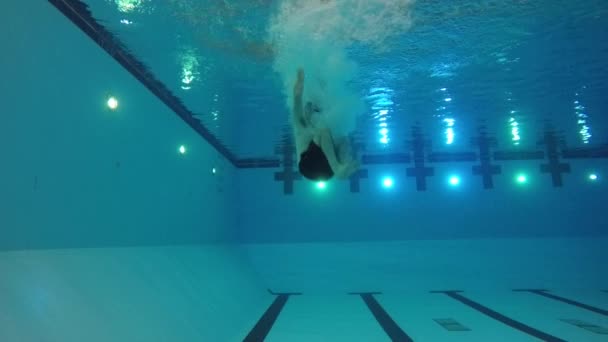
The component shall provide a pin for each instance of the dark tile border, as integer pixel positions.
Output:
(546, 294)
(390, 327)
(265, 323)
(454, 294)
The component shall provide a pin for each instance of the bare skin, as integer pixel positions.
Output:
(339, 156)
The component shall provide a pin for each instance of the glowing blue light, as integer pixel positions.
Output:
(378, 89)
(593, 177)
(454, 180)
(384, 140)
(383, 111)
(182, 149)
(521, 179)
(443, 89)
(321, 185)
(449, 131)
(449, 136)
(384, 131)
(514, 130)
(385, 102)
(388, 182)
(448, 99)
(383, 124)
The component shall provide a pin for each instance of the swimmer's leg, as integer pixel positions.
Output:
(344, 150)
(342, 170)
(299, 119)
(308, 111)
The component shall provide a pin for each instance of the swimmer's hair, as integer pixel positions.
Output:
(315, 168)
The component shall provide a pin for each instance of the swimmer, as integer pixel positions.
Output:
(319, 158)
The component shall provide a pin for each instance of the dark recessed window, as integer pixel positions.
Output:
(451, 324)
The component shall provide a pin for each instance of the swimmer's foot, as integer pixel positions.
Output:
(345, 154)
(347, 169)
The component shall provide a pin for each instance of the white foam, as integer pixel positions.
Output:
(315, 34)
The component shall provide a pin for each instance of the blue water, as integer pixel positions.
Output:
(125, 224)
(492, 58)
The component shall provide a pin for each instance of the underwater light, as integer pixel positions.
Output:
(112, 103)
(213, 170)
(182, 149)
(388, 182)
(521, 179)
(321, 185)
(449, 132)
(454, 180)
(593, 177)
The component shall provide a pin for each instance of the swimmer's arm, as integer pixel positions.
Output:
(298, 108)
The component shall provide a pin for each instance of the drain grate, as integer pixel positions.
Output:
(450, 324)
(587, 326)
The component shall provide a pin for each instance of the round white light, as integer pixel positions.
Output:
(454, 180)
(112, 103)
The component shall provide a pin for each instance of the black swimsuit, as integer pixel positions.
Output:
(314, 158)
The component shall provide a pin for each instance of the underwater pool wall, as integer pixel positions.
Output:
(442, 211)
(107, 231)
(76, 173)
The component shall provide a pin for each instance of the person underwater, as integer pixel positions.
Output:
(320, 157)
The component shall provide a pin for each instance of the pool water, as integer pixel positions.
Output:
(149, 190)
